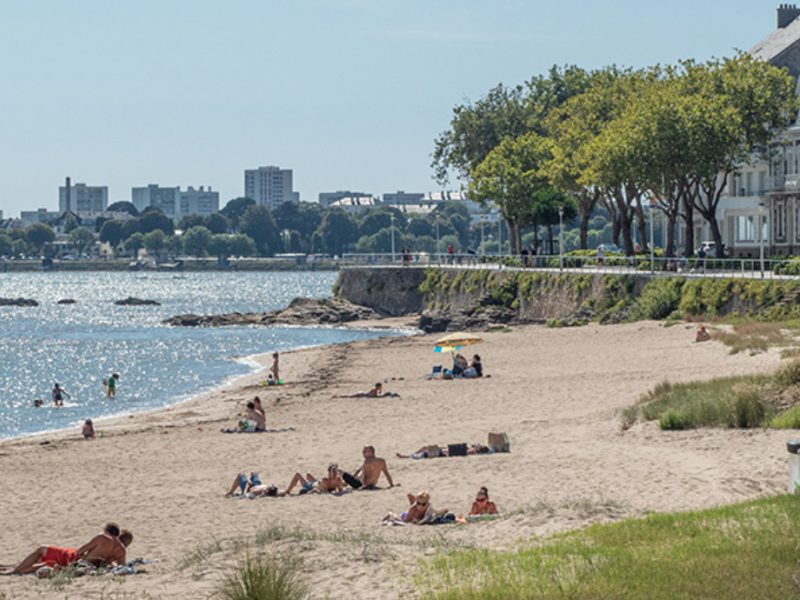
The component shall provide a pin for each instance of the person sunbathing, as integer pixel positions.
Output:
(375, 392)
(255, 487)
(702, 334)
(482, 504)
(420, 513)
(310, 484)
(368, 474)
(105, 549)
(437, 450)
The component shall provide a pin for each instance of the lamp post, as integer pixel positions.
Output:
(392, 221)
(761, 234)
(561, 238)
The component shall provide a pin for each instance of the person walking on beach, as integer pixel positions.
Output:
(274, 368)
(58, 395)
(369, 473)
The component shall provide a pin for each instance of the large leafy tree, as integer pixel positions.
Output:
(112, 232)
(258, 223)
(336, 232)
(186, 222)
(153, 219)
(217, 223)
(39, 234)
(302, 217)
(197, 241)
(81, 238)
(235, 208)
(135, 243)
(155, 242)
(6, 245)
(124, 206)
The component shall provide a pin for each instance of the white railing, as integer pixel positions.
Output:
(749, 268)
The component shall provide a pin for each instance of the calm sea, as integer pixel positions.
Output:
(81, 344)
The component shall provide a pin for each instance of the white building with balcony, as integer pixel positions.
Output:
(270, 186)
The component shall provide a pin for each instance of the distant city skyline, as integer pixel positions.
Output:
(349, 94)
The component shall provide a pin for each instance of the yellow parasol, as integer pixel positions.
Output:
(456, 341)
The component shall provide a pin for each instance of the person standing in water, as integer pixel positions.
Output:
(58, 395)
(111, 388)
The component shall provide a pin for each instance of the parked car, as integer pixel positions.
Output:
(709, 247)
(613, 248)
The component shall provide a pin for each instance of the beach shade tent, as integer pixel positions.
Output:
(456, 341)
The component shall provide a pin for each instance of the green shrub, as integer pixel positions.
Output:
(659, 299)
(260, 577)
(748, 410)
(674, 420)
(789, 374)
(555, 323)
(789, 419)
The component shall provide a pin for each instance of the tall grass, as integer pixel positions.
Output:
(742, 551)
(261, 577)
(742, 402)
(753, 336)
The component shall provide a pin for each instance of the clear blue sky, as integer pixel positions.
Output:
(350, 94)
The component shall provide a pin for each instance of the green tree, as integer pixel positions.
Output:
(155, 242)
(258, 222)
(302, 217)
(135, 243)
(19, 247)
(188, 221)
(235, 208)
(174, 245)
(123, 206)
(6, 245)
(37, 235)
(242, 245)
(217, 223)
(81, 238)
(220, 245)
(336, 232)
(197, 241)
(130, 227)
(112, 232)
(153, 219)
(70, 223)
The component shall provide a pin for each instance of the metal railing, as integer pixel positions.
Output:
(747, 268)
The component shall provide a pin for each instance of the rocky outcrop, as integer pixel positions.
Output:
(302, 311)
(67, 301)
(18, 302)
(390, 292)
(131, 301)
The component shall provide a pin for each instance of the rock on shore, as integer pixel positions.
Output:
(131, 301)
(18, 302)
(302, 311)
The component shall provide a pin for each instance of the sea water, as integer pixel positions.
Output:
(78, 345)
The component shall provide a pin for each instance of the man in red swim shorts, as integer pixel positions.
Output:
(103, 549)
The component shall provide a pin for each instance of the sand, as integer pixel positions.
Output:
(556, 392)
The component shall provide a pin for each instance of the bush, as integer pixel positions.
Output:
(747, 408)
(263, 578)
(787, 420)
(789, 374)
(659, 299)
(674, 420)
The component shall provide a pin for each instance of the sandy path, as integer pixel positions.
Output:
(557, 392)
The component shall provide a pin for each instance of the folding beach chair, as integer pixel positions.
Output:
(436, 374)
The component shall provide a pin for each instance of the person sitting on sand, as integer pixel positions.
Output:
(260, 409)
(105, 549)
(475, 369)
(58, 395)
(375, 392)
(702, 334)
(459, 365)
(482, 504)
(255, 487)
(310, 484)
(88, 429)
(420, 513)
(368, 474)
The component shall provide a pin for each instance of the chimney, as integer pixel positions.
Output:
(787, 13)
(69, 191)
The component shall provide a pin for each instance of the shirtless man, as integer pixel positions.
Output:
(255, 487)
(369, 473)
(104, 549)
(58, 395)
(257, 417)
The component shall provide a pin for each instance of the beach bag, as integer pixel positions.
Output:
(457, 449)
(498, 442)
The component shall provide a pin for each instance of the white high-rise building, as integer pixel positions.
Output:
(199, 202)
(82, 197)
(270, 186)
(166, 199)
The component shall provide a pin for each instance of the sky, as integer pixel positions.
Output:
(350, 94)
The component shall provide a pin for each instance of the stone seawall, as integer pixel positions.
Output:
(450, 299)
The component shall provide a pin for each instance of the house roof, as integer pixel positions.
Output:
(777, 42)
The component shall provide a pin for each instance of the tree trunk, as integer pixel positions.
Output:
(672, 217)
(586, 204)
(642, 224)
(550, 235)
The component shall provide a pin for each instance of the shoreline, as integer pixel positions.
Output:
(163, 474)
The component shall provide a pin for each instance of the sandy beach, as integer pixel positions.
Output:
(556, 392)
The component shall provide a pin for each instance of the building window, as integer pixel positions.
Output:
(745, 229)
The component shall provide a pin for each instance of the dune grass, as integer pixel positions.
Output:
(753, 336)
(745, 401)
(743, 551)
(263, 577)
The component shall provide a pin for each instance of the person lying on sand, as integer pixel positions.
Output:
(105, 549)
(368, 474)
(420, 513)
(702, 334)
(310, 484)
(375, 392)
(436, 450)
(482, 504)
(255, 487)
